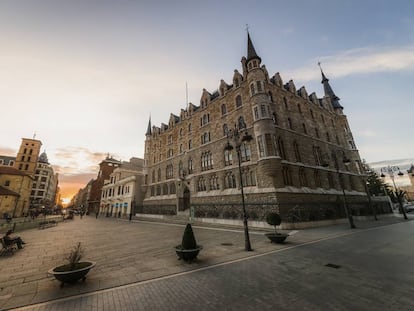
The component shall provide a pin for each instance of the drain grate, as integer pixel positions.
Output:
(331, 265)
(227, 244)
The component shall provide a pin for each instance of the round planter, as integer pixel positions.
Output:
(72, 276)
(277, 237)
(187, 254)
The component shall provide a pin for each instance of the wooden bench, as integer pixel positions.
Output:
(7, 249)
(47, 223)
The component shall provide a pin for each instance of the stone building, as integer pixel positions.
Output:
(123, 190)
(294, 159)
(106, 167)
(15, 186)
(44, 189)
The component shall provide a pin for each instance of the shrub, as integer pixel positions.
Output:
(188, 241)
(273, 219)
(75, 256)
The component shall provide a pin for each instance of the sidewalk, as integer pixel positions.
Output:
(131, 252)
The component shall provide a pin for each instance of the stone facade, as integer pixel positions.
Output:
(294, 151)
(28, 155)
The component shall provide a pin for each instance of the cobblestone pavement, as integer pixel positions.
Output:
(137, 268)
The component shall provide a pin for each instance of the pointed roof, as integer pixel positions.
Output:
(251, 52)
(328, 90)
(149, 127)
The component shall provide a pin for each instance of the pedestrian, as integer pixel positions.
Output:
(10, 240)
(96, 215)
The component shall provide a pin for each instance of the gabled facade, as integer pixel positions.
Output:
(298, 142)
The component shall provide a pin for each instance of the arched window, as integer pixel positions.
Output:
(165, 189)
(190, 144)
(259, 86)
(248, 177)
(275, 120)
(206, 161)
(159, 174)
(242, 124)
(252, 90)
(238, 101)
(330, 180)
(158, 190)
(189, 128)
(317, 155)
(245, 152)
(153, 176)
(181, 148)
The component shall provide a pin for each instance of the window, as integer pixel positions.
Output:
(223, 109)
(296, 150)
(170, 139)
(317, 155)
(256, 113)
(170, 153)
(206, 161)
(152, 191)
(26, 167)
(275, 120)
(299, 109)
(248, 177)
(270, 151)
(261, 146)
(245, 152)
(225, 130)
(158, 189)
(189, 128)
(228, 157)
(22, 158)
(252, 90)
(281, 148)
(181, 132)
(285, 102)
(229, 180)
(205, 138)
(214, 185)
(305, 131)
(25, 150)
(169, 171)
(242, 124)
(287, 177)
(190, 166)
(263, 111)
(290, 125)
(205, 119)
(201, 184)
(259, 86)
(190, 144)
(159, 174)
(165, 189)
(7, 183)
(238, 101)
(153, 177)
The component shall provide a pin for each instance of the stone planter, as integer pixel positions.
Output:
(62, 274)
(187, 254)
(276, 237)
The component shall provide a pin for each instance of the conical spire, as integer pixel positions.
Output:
(328, 90)
(149, 128)
(251, 52)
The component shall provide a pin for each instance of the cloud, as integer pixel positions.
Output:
(360, 61)
(10, 152)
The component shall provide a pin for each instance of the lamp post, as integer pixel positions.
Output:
(390, 170)
(238, 139)
(346, 161)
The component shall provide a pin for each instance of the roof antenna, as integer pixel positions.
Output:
(34, 135)
(186, 95)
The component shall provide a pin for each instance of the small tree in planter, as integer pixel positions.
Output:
(188, 249)
(74, 269)
(274, 220)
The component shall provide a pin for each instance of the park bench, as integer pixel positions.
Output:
(7, 249)
(47, 223)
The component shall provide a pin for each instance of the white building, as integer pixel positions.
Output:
(123, 190)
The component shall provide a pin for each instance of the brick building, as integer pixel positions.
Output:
(295, 159)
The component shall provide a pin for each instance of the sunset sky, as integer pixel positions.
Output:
(86, 75)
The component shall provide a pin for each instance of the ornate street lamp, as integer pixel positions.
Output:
(346, 162)
(238, 139)
(390, 170)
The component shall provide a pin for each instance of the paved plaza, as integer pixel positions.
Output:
(137, 268)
